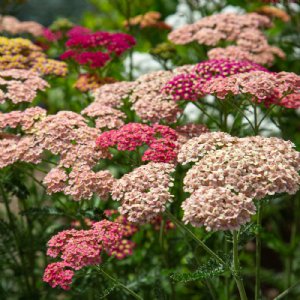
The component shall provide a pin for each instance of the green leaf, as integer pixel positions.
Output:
(209, 270)
(46, 210)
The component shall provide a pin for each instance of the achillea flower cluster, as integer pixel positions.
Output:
(20, 85)
(188, 131)
(150, 19)
(144, 192)
(80, 248)
(13, 26)
(188, 86)
(217, 209)
(148, 101)
(20, 53)
(65, 134)
(90, 82)
(269, 88)
(95, 49)
(231, 170)
(245, 30)
(160, 139)
(105, 108)
(144, 94)
(213, 29)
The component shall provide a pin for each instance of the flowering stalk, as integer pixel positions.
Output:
(118, 283)
(194, 237)
(236, 267)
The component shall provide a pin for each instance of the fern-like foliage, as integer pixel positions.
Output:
(208, 270)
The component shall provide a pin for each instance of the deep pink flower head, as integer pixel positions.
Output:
(95, 49)
(80, 248)
(78, 30)
(189, 86)
(52, 36)
(56, 274)
(159, 138)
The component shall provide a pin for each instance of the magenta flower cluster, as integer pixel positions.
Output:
(95, 49)
(189, 86)
(160, 139)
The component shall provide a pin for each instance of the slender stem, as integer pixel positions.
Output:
(206, 114)
(194, 237)
(287, 291)
(258, 252)
(243, 114)
(117, 282)
(236, 268)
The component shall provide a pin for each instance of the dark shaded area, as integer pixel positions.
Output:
(46, 11)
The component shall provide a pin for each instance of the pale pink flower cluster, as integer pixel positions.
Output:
(262, 86)
(238, 168)
(213, 29)
(20, 85)
(105, 108)
(65, 134)
(190, 130)
(265, 57)
(144, 192)
(13, 26)
(245, 30)
(144, 95)
(80, 248)
(217, 208)
(25, 119)
(148, 101)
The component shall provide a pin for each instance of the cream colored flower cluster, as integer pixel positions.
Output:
(144, 192)
(240, 168)
(244, 30)
(20, 85)
(13, 26)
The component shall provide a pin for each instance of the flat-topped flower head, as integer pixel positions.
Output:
(217, 209)
(188, 86)
(20, 85)
(144, 192)
(80, 248)
(160, 140)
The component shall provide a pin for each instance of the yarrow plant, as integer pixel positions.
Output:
(143, 179)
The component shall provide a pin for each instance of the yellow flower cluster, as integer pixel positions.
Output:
(20, 53)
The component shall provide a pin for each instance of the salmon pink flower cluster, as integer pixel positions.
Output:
(269, 88)
(244, 30)
(160, 139)
(81, 248)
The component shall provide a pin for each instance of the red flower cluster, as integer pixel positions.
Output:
(95, 49)
(80, 248)
(160, 140)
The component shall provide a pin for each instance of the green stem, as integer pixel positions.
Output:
(287, 291)
(206, 114)
(194, 237)
(117, 282)
(236, 268)
(16, 235)
(258, 252)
